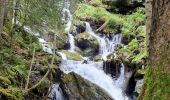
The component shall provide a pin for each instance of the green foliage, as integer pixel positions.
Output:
(100, 15)
(11, 93)
(135, 51)
(133, 21)
(4, 81)
(129, 23)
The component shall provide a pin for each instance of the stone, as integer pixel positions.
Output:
(76, 88)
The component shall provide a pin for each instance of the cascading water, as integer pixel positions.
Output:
(123, 79)
(56, 93)
(91, 70)
(106, 46)
(68, 25)
(102, 43)
(63, 56)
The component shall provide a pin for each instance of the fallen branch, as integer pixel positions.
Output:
(103, 26)
(32, 61)
(33, 87)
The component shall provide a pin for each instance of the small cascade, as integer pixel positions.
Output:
(56, 93)
(123, 79)
(106, 46)
(102, 43)
(68, 25)
(93, 72)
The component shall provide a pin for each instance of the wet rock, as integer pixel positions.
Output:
(60, 39)
(88, 45)
(72, 55)
(76, 88)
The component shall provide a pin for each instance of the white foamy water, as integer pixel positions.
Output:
(68, 25)
(56, 93)
(123, 79)
(45, 46)
(96, 75)
(106, 46)
(90, 70)
(63, 56)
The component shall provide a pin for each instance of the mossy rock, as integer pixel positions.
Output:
(98, 58)
(72, 55)
(140, 72)
(88, 44)
(76, 87)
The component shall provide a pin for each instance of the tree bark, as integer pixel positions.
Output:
(157, 79)
(2, 10)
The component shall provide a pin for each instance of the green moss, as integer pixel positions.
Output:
(69, 77)
(129, 23)
(86, 36)
(156, 84)
(11, 93)
(98, 58)
(99, 14)
(72, 55)
(44, 84)
(140, 72)
(5, 81)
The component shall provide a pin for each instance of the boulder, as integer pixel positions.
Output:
(76, 88)
(72, 55)
(88, 45)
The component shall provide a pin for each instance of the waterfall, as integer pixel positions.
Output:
(102, 43)
(123, 79)
(56, 93)
(106, 46)
(93, 72)
(68, 25)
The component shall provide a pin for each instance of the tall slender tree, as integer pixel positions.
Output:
(157, 79)
(2, 11)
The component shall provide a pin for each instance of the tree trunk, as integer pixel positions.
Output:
(2, 10)
(157, 79)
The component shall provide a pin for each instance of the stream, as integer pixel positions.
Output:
(93, 71)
